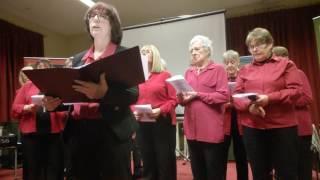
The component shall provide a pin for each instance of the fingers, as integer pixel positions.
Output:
(92, 90)
(87, 90)
(51, 103)
(262, 112)
(83, 83)
(103, 80)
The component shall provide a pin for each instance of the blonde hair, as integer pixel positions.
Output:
(280, 51)
(22, 77)
(260, 36)
(157, 65)
(231, 54)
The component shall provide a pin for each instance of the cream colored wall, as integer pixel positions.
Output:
(78, 43)
(55, 44)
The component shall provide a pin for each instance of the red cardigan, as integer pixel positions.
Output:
(27, 120)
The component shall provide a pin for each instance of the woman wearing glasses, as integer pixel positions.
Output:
(102, 131)
(270, 125)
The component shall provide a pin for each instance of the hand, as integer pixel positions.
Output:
(257, 110)
(262, 100)
(134, 135)
(30, 108)
(180, 97)
(51, 103)
(137, 115)
(188, 96)
(155, 113)
(228, 105)
(92, 90)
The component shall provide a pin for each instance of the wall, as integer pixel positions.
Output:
(55, 44)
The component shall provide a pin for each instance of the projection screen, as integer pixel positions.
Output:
(172, 37)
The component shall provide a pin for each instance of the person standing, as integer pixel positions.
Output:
(102, 130)
(303, 114)
(42, 144)
(232, 123)
(270, 124)
(158, 138)
(22, 77)
(204, 111)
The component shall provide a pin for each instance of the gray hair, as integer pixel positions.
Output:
(231, 54)
(205, 42)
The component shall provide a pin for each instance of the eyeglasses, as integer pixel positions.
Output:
(91, 17)
(257, 46)
(145, 52)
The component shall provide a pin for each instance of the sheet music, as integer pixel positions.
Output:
(144, 60)
(179, 83)
(144, 109)
(37, 99)
(244, 95)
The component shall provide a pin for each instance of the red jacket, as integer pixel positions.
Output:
(303, 107)
(159, 93)
(204, 115)
(27, 120)
(278, 79)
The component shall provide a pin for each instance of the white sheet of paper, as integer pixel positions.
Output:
(37, 99)
(179, 84)
(144, 109)
(243, 95)
(144, 60)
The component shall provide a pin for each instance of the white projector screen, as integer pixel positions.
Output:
(172, 37)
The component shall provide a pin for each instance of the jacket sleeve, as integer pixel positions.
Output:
(240, 103)
(120, 96)
(293, 87)
(171, 103)
(306, 98)
(18, 104)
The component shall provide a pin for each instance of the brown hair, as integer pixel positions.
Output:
(260, 36)
(113, 16)
(280, 51)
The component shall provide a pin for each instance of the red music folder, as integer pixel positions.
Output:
(122, 69)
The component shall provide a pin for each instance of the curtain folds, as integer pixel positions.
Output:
(292, 28)
(15, 43)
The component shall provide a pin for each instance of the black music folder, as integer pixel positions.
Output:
(122, 69)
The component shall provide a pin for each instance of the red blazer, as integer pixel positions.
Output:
(227, 121)
(302, 107)
(27, 120)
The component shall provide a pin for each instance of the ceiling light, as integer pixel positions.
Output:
(89, 3)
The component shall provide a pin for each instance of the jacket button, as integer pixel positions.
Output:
(116, 108)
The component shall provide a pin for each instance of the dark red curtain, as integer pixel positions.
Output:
(292, 28)
(15, 43)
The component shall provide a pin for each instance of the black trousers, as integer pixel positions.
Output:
(238, 149)
(42, 157)
(97, 154)
(158, 142)
(305, 158)
(207, 160)
(136, 158)
(270, 148)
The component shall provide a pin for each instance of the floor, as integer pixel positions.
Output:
(184, 172)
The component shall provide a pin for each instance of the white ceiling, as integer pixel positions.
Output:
(66, 16)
